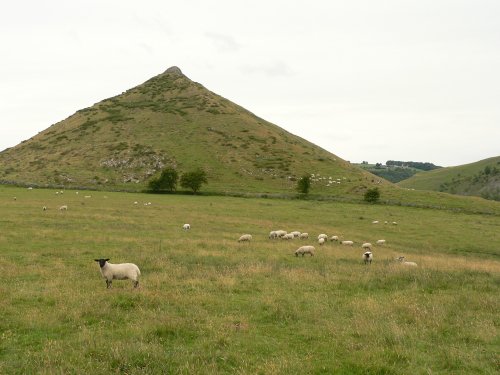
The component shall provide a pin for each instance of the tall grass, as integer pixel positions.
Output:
(210, 305)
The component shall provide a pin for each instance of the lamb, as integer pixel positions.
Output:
(404, 262)
(304, 235)
(347, 243)
(121, 271)
(321, 241)
(367, 246)
(334, 238)
(186, 227)
(304, 250)
(295, 233)
(245, 237)
(288, 236)
(368, 257)
(380, 242)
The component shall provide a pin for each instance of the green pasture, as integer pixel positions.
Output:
(210, 305)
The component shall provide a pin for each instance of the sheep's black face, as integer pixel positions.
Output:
(101, 261)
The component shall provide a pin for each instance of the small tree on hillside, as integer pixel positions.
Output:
(372, 195)
(193, 180)
(167, 181)
(304, 184)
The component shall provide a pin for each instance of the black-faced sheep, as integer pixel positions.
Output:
(120, 271)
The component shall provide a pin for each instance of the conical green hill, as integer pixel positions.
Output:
(121, 142)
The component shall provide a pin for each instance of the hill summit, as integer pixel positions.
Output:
(121, 142)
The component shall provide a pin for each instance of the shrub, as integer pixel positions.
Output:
(166, 182)
(304, 184)
(372, 195)
(193, 180)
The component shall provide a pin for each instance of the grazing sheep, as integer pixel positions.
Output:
(322, 235)
(280, 233)
(368, 257)
(380, 242)
(367, 246)
(273, 234)
(119, 271)
(288, 236)
(304, 250)
(347, 243)
(334, 238)
(321, 241)
(295, 233)
(245, 237)
(404, 262)
(375, 222)
(394, 223)
(63, 208)
(186, 227)
(44, 208)
(304, 235)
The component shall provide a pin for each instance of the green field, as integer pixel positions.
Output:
(210, 305)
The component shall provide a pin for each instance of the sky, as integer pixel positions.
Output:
(368, 80)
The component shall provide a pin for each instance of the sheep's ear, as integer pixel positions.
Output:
(106, 260)
(97, 260)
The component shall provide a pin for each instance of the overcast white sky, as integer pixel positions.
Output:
(365, 79)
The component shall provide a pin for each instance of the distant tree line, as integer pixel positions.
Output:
(169, 177)
(412, 164)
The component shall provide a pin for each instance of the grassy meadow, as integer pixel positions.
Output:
(210, 305)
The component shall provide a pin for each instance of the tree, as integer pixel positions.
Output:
(304, 184)
(166, 181)
(372, 195)
(193, 180)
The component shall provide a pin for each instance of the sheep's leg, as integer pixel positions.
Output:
(136, 284)
(108, 284)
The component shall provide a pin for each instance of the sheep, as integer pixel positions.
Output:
(375, 222)
(63, 208)
(404, 262)
(304, 236)
(44, 208)
(368, 257)
(121, 271)
(186, 227)
(280, 233)
(347, 243)
(304, 250)
(367, 246)
(287, 236)
(380, 242)
(245, 237)
(394, 223)
(334, 238)
(322, 235)
(321, 241)
(273, 234)
(295, 233)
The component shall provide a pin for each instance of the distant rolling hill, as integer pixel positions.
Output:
(122, 142)
(479, 179)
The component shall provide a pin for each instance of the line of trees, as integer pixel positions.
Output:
(413, 164)
(169, 177)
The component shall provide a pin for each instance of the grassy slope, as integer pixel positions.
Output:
(208, 305)
(462, 175)
(121, 142)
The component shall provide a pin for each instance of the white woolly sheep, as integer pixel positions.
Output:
(304, 235)
(404, 262)
(245, 237)
(280, 233)
(368, 257)
(186, 227)
(347, 243)
(375, 222)
(334, 238)
(63, 208)
(367, 246)
(322, 235)
(288, 236)
(304, 250)
(295, 233)
(121, 271)
(44, 208)
(394, 223)
(273, 234)
(321, 241)
(380, 242)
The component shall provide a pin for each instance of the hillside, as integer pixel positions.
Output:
(479, 179)
(121, 142)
